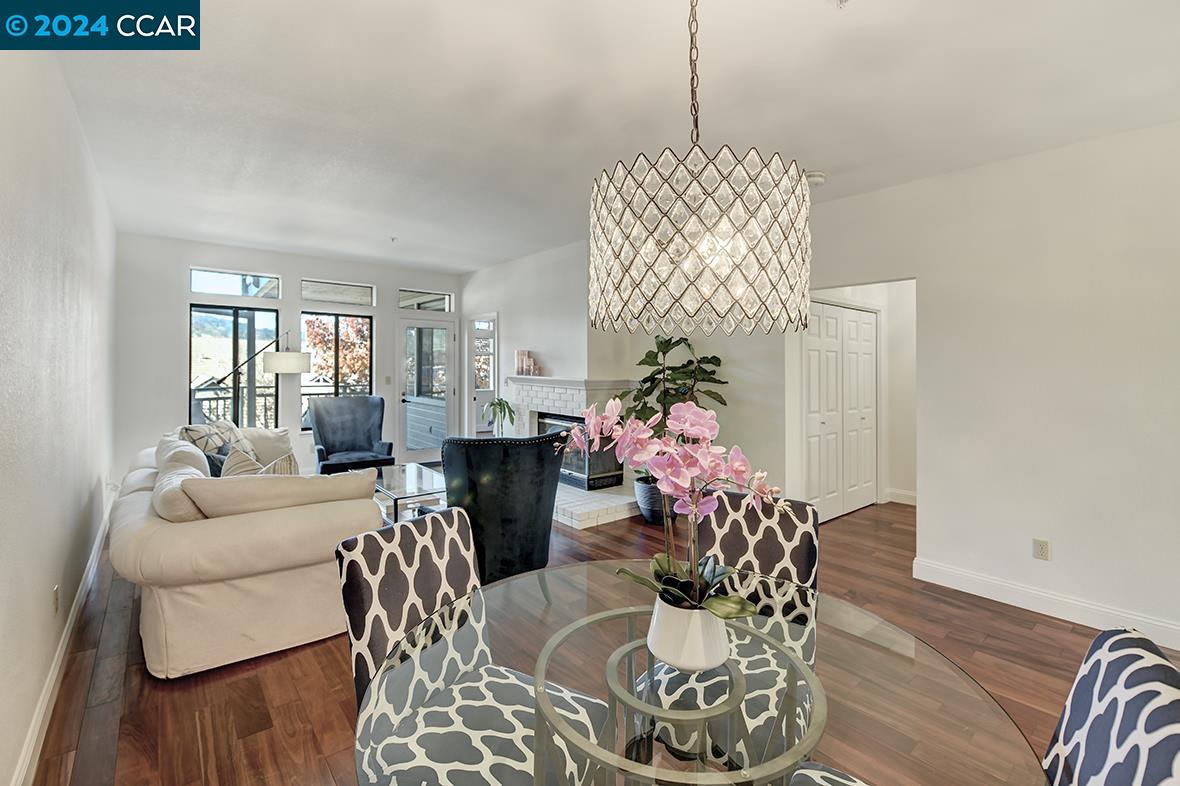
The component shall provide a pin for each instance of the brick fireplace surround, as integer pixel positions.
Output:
(530, 396)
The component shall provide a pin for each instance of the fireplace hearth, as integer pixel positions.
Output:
(581, 469)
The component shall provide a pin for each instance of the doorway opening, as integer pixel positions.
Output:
(481, 374)
(858, 391)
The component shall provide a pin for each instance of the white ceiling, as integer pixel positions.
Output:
(471, 129)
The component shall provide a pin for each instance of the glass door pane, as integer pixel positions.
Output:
(257, 392)
(211, 360)
(356, 357)
(224, 383)
(426, 389)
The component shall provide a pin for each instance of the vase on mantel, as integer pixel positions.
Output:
(689, 640)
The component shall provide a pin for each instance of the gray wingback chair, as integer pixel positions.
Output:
(347, 433)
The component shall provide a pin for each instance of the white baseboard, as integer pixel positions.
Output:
(1084, 612)
(904, 497)
(26, 765)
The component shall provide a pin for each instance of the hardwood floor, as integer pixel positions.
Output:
(287, 718)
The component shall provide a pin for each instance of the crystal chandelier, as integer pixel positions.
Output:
(708, 242)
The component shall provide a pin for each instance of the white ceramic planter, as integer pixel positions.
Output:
(687, 639)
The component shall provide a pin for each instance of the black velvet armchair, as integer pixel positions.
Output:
(347, 433)
(507, 486)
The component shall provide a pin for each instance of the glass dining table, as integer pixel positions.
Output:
(515, 685)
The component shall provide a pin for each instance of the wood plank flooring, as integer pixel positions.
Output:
(287, 718)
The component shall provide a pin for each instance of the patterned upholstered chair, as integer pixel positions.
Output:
(391, 585)
(759, 543)
(1121, 722)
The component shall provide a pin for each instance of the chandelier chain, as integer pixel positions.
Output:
(694, 78)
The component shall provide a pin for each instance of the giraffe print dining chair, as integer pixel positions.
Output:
(775, 553)
(1121, 722)
(446, 714)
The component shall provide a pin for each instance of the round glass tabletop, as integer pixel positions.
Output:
(545, 678)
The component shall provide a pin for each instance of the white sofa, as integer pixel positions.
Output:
(220, 590)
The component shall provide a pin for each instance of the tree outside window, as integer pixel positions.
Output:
(341, 348)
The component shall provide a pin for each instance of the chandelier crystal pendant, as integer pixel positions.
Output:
(700, 242)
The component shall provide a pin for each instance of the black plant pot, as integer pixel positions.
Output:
(650, 500)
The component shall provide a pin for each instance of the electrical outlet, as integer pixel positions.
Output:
(56, 599)
(1041, 549)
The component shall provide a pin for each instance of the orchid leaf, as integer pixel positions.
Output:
(643, 581)
(728, 607)
(664, 565)
(674, 596)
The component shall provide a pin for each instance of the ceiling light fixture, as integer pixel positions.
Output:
(700, 242)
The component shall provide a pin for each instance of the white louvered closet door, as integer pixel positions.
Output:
(840, 402)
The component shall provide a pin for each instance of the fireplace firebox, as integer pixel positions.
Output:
(585, 470)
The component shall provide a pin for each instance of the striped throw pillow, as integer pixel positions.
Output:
(237, 463)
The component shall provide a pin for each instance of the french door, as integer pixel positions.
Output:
(427, 393)
(840, 406)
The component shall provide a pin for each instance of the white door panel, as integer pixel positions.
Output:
(860, 410)
(822, 407)
(840, 406)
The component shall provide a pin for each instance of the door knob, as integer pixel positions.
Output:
(405, 401)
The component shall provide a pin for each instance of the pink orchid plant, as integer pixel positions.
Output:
(689, 468)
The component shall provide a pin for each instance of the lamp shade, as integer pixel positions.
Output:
(286, 362)
(708, 243)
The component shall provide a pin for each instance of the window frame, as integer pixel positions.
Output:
(450, 296)
(371, 287)
(199, 268)
(336, 317)
(234, 338)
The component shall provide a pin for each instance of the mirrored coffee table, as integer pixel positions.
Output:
(405, 483)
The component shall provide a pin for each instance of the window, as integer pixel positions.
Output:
(423, 301)
(226, 380)
(225, 282)
(426, 362)
(341, 347)
(336, 292)
(483, 355)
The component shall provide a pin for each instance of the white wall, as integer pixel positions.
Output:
(56, 270)
(152, 326)
(1047, 374)
(901, 347)
(541, 302)
(897, 448)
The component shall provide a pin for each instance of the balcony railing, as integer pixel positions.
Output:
(210, 404)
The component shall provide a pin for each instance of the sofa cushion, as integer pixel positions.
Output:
(142, 479)
(238, 463)
(253, 493)
(211, 436)
(269, 443)
(177, 460)
(144, 459)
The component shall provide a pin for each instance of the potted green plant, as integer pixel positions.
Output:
(499, 410)
(677, 375)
